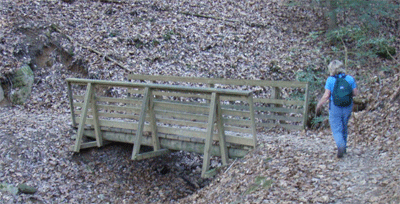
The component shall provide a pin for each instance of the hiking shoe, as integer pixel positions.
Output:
(340, 152)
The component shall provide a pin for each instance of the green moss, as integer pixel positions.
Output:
(5, 187)
(22, 83)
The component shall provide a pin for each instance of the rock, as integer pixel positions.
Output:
(22, 82)
(23, 188)
(8, 188)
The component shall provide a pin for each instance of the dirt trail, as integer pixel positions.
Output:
(364, 175)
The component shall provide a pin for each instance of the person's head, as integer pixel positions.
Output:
(335, 67)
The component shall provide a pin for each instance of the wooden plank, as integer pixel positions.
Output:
(136, 91)
(79, 97)
(232, 98)
(264, 109)
(186, 108)
(151, 154)
(235, 113)
(171, 144)
(237, 122)
(237, 82)
(88, 145)
(129, 109)
(210, 133)
(182, 123)
(139, 131)
(71, 104)
(278, 101)
(99, 139)
(181, 116)
(160, 87)
(83, 118)
(117, 124)
(153, 124)
(113, 115)
(186, 95)
(253, 121)
(286, 126)
(134, 101)
(238, 129)
(183, 132)
(221, 133)
(278, 117)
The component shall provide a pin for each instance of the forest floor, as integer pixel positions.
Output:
(297, 167)
(258, 40)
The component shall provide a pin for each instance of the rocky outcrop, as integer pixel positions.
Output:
(22, 82)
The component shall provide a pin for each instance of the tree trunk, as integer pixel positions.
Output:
(332, 6)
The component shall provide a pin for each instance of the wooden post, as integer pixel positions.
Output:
(142, 117)
(99, 138)
(71, 102)
(221, 133)
(209, 135)
(253, 120)
(83, 118)
(276, 94)
(153, 124)
(305, 115)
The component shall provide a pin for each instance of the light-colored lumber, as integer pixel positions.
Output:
(281, 118)
(151, 154)
(71, 104)
(153, 124)
(180, 107)
(253, 121)
(99, 139)
(278, 101)
(221, 134)
(238, 129)
(82, 121)
(264, 109)
(89, 144)
(210, 133)
(237, 122)
(201, 135)
(159, 87)
(171, 144)
(180, 116)
(237, 82)
(133, 101)
(177, 94)
(186, 123)
(235, 113)
(140, 126)
(286, 126)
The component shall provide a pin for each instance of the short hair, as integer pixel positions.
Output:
(335, 67)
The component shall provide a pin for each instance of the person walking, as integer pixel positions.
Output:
(339, 91)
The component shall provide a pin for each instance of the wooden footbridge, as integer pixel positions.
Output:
(211, 121)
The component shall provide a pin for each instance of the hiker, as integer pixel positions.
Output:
(340, 96)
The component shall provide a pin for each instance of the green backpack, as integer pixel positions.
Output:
(342, 92)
